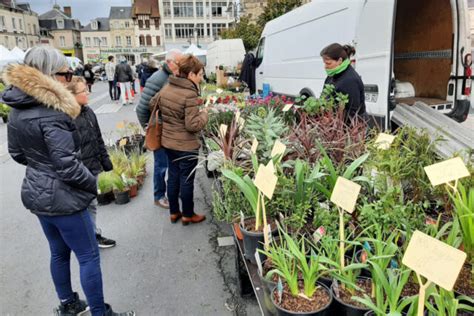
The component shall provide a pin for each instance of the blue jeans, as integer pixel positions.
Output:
(159, 173)
(181, 173)
(74, 232)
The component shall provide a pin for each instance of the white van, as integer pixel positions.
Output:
(417, 45)
(227, 53)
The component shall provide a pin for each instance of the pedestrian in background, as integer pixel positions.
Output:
(149, 69)
(152, 86)
(89, 76)
(124, 75)
(110, 73)
(337, 62)
(182, 122)
(93, 152)
(57, 187)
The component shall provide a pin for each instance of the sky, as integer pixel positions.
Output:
(84, 10)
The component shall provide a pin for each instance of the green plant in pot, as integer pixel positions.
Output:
(121, 191)
(301, 294)
(445, 303)
(105, 188)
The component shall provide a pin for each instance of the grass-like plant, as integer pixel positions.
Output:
(445, 303)
(105, 182)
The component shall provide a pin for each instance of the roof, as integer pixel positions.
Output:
(48, 20)
(147, 7)
(120, 13)
(24, 6)
(53, 14)
(103, 25)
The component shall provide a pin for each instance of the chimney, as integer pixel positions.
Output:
(67, 11)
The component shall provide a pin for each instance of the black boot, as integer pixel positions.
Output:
(110, 312)
(76, 307)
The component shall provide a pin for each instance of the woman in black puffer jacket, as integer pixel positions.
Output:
(57, 187)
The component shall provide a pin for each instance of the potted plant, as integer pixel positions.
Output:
(121, 191)
(4, 111)
(301, 293)
(105, 188)
(444, 303)
(132, 185)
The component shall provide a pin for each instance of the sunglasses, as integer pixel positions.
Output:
(66, 75)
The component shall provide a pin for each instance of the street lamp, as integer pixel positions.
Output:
(236, 8)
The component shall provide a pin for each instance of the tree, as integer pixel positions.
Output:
(275, 8)
(248, 32)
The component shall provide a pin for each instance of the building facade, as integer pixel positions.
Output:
(19, 26)
(95, 37)
(64, 29)
(194, 21)
(148, 30)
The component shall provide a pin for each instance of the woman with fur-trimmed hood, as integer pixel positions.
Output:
(57, 187)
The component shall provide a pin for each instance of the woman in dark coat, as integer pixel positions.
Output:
(57, 187)
(89, 76)
(345, 79)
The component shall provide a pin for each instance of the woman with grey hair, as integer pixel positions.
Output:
(57, 187)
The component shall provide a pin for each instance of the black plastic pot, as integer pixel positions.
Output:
(372, 313)
(343, 309)
(106, 198)
(322, 312)
(5, 119)
(252, 242)
(122, 197)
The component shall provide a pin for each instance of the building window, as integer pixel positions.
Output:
(184, 30)
(218, 8)
(118, 41)
(157, 24)
(148, 40)
(199, 9)
(183, 9)
(141, 40)
(127, 24)
(6, 42)
(14, 23)
(147, 24)
(200, 30)
(96, 41)
(217, 28)
(60, 24)
(103, 41)
(140, 24)
(168, 31)
(62, 41)
(88, 41)
(20, 23)
(158, 41)
(2, 22)
(129, 40)
(166, 8)
(34, 29)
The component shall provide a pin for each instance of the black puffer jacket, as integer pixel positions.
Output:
(350, 83)
(42, 136)
(93, 152)
(123, 72)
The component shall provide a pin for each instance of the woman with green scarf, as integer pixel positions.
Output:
(345, 79)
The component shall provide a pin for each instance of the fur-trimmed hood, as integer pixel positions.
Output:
(28, 81)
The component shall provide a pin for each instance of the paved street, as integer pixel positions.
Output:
(156, 268)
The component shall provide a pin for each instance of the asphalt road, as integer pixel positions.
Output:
(157, 268)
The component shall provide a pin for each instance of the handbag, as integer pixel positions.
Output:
(154, 129)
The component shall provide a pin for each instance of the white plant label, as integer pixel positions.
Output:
(265, 180)
(384, 141)
(278, 148)
(223, 130)
(253, 149)
(447, 171)
(242, 219)
(345, 194)
(318, 234)
(259, 263)
(287, 107)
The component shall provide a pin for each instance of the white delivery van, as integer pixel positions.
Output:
(418, 46)
(227, 53)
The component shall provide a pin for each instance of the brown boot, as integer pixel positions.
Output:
(175, 217)
(196, 218)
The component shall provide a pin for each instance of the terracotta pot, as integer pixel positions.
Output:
(134, 190)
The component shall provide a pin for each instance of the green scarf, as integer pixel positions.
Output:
(343, 66)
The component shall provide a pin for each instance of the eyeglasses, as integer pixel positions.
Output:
(67, 75)
(86, 91)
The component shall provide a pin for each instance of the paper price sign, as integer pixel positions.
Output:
(267, 233)
(384, 141)
(237, 116)
(254, 145)
(433, 259)
(447, 171)
(259, 263)
(278, 148)
(266, 181)
(287, 107)
(223, 130)
(345, 194)
(123, 142)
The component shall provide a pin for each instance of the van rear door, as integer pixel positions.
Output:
(374, 47)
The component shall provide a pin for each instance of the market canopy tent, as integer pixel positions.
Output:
(7, 57)
(20, 54)
(196, 51)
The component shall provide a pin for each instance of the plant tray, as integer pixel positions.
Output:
(263, 297)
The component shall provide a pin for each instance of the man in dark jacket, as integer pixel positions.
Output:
(124, 75)
(93, 152)
(153, 86)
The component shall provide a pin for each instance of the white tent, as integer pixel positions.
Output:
(196, 51)
(18, 53)
(7, 57)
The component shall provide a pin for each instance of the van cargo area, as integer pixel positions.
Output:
(423, 51)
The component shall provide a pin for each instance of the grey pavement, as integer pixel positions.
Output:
(157, 268)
